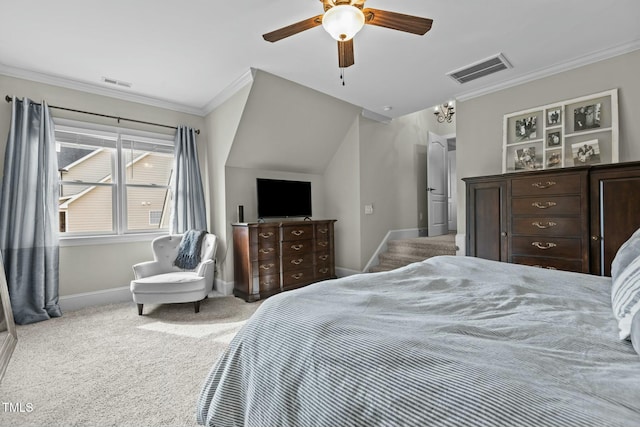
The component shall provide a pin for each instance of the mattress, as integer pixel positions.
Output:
(451, 341)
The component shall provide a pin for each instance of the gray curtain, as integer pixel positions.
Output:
(29, 213)
(188, 208)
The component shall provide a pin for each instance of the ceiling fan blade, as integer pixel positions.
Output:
(397, 21)
(345, 54)
(292, 29)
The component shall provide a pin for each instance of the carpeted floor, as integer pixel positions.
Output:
(107, 366)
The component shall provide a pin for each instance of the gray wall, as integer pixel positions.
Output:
(480, 120)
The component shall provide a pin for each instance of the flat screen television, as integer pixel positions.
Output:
(283, 199)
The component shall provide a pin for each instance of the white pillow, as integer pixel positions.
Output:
(625, 296)
(629, 251)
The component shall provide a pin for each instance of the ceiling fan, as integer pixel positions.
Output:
(344, 18)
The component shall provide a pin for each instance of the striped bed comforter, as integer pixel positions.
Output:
(451, 341)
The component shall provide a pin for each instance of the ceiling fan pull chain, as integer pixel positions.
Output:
(342, 75)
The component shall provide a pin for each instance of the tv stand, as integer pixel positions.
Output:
(272, 257)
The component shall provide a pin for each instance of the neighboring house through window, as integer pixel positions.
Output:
(113, 181)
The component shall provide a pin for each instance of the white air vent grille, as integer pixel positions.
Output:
(480, 69)
(116, 82)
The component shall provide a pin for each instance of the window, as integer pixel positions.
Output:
(113, 181)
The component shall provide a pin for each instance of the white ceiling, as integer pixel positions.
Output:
(184, 54)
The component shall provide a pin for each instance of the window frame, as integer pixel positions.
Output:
(120, 231)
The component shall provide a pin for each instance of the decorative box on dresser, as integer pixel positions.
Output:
(568, 219)
(272, 257)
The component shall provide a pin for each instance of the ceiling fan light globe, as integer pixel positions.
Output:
(343, 22)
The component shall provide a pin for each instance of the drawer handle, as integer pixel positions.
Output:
(544, 205)
(297, 232)
(323, 270)
(297, 275)
(323, 257)
(266, 235)
(323, 230)
(266, 250)
(266, 266)
(549, 224)
(297, 261)
(322, 243)
(297, 247)
(542, 186)
(543, 246)
(545, 266)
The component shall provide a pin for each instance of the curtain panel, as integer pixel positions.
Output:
(29, 213)
(188, 210)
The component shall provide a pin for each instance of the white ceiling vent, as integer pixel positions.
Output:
(116, 82)
(480, 69)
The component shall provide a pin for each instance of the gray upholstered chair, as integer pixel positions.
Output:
(161, 282)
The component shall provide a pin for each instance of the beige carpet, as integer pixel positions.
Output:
(107, 366)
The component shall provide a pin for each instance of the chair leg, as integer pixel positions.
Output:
(139, 309)
(196, 305)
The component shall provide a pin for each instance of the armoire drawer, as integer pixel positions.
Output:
(547, 226)
(550, 263)
(552, 205)
(546, 246)
(546, 185)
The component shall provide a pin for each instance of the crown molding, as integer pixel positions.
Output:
(555, 69)
(226, 93)
(96, 89)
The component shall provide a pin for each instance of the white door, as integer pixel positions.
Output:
(437, 183)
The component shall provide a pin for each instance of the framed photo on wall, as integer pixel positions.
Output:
(554, 116)
(574, 132)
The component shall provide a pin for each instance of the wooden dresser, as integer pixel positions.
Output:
(272, 257)
(569, 219)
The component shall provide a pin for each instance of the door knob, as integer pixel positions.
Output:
(430, 189)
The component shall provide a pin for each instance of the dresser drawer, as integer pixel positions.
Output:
(297, 232)
(552, 205)
(296, 262)
(550, 263)
(297, 247)
(265, 236)
(543, 185)
(267, 251)
(546, 226)
(298, 278)
(547, 246)
(269, 282)
(266, 267)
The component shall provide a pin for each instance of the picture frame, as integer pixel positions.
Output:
(553, 159)
(554, 139)
(526, 128)
(587, 117)
(554, 135)
(586, 153)
(525, 159)
(554, 116)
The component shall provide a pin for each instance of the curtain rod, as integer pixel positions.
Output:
(9, 99)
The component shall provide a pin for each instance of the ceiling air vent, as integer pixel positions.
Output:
(480, 69)
(116, 82)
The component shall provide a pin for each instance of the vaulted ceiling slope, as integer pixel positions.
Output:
(288, 127)
(184, 54)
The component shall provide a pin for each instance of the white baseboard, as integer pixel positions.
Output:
(89, 299)
(461, 244)
(121, 294)
(344, 272)
(222, 287)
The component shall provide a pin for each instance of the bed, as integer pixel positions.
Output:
(450, 341)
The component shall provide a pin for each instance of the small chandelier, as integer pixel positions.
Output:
(444, 112)
(343, 21)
